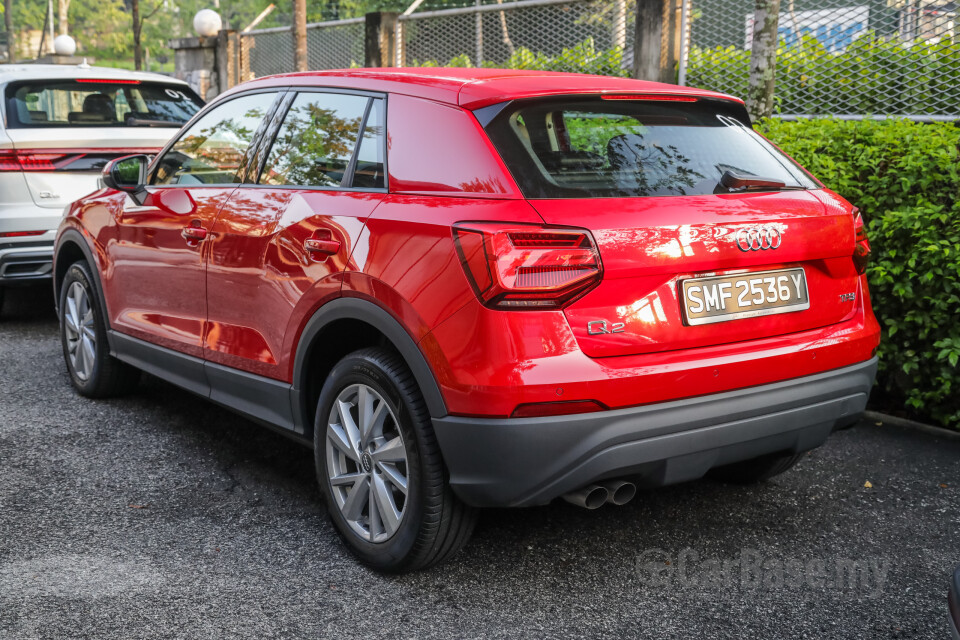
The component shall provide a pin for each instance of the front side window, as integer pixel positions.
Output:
(212, 149)
(315, 145)
(594, 148)
(96, 103)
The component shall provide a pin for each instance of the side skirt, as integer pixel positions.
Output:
(264, 400)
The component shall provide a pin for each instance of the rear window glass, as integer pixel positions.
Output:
(627, 148)
(72, 103)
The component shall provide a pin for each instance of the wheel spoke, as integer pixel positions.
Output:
(389, 513)
(391, 473)
(349, 426)
(365, 402)
(337, 435)
(390, 451)
(346, 479)
(89, 354)
(70, 322)
(374, 523)
(357, 499)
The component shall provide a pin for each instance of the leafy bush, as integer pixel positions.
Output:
(905, 179)
(580, 58)
(871, 76)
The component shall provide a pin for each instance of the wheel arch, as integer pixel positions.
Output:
(354, 323)
(72, 247)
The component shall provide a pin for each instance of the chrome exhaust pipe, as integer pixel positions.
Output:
(592, 496)
(620, 492)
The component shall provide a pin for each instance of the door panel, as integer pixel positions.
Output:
(278, 247)
(157, 264)
(260, 274)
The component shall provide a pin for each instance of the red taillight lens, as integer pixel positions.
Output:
(21, 234)
(30, 160)
(861, 252)
(527, 268)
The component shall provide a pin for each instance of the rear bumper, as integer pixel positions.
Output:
(26, 265)
(529, 461)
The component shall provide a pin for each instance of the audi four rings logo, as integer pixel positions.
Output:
(758, 238)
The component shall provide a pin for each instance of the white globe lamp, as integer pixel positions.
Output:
(64, 46)
(207, 23)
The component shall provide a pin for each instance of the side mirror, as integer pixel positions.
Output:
(128, 173)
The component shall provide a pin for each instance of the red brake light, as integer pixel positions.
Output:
(527, 267)
(656, 97)
(106, 81)
(13, 160)
(861, 251)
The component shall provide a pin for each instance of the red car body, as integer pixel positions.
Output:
(526, 404)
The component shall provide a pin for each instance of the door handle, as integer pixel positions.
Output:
(316, 246)
(194, 234)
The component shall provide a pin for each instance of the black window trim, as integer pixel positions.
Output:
(155, 164)
(267, 145)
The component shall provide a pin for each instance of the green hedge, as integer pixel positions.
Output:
(905, 179)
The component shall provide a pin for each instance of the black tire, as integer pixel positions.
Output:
(755, 470)
(435, 524)
(108, 376)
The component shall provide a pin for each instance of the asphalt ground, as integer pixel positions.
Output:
(162, 516)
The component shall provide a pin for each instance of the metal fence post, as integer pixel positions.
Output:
(380, 39)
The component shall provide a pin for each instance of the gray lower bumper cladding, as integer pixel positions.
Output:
(530, 461)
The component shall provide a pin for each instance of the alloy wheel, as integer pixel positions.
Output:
(367, 463)
(80, 331)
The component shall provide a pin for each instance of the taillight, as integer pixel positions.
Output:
(30, 160)
(861, 251)
(21, 234)
(519, 267)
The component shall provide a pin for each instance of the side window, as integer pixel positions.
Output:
(211, 150)
(369, 170)
(315, 144)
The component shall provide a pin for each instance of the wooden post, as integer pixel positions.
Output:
(763, 59)
(380, 41)
(299, 35)
(657, 40)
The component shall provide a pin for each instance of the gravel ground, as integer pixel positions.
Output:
(162, 516)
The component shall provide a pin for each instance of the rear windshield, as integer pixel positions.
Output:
(85, 103)
(602, 148)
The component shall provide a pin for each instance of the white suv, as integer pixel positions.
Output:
(59, 126)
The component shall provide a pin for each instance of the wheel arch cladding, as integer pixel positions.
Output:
(350, 324)
(72, 247)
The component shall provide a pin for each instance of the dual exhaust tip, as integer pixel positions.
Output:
(594, 496)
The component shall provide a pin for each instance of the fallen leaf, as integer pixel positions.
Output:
(138, 506)
(868, 484)
(943, 486)
(879, 424)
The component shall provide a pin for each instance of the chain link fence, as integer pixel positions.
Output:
(588, 36)
(836, 57)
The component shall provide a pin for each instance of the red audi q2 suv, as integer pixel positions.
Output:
(468, 288)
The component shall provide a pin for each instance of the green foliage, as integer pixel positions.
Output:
(583, 57)
(904, 177)
(872, 76)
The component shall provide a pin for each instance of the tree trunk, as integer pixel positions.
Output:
(763, 58)
(63, 8)
(8, 24)
(137, 28)
(300, 35)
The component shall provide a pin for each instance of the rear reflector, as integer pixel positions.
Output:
(527, 267)
(656, 97)
(542, 409)
(21, 234)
